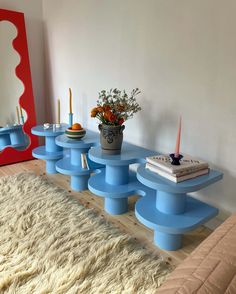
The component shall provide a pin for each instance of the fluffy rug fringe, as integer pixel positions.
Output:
(50, 243)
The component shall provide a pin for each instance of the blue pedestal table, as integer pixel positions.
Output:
(51, 152)
(116, 183)
(170, 212)
(13, 136)
(71, 165)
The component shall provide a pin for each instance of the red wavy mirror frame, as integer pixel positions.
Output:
(26, 100)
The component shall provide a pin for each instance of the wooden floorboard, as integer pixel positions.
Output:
(126, 222)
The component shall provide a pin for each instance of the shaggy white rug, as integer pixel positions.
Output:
(49, 243)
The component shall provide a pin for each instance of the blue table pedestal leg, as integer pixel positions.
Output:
(4, 140)
(167, 241)
(116, 205)
(51, 146)
(51, 166)
(116, 175)
(171, 203)
(79, 183)
(17, 137)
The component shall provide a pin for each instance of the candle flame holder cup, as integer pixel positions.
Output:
(175, 160)
(70, 119)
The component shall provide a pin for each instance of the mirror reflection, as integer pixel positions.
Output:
(12, 116)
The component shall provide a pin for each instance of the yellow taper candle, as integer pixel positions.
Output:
(17, 114)
(70, 99)
(21, 112)
(58, 111)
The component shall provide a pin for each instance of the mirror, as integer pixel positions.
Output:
(17, 113)
(12, 116)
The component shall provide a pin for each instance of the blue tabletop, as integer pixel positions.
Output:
(90, 139)
(40, 131)
(157, 182)
(129, 154)
(10, 128)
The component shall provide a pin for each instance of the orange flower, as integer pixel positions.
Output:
(109, 116)
(94, 112)
(106, 107)
(106, 115)
(112, 117)
(100, 109)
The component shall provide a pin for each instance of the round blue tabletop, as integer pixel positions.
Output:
(154, 181)
(10, 128)
(40, 131)
(90, 139)
(129, 154)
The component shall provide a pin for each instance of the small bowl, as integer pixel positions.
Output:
(75, 134)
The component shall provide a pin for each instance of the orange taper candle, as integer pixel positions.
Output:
(178, 139)
(58, 111)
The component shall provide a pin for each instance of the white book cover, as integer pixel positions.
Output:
(187, 163)
(174, 178)
(84, 162)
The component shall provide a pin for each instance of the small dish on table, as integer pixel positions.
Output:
(75, 132)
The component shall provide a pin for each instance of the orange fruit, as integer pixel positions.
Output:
(76, 126)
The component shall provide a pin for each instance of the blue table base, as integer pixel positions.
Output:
(50, 166)
(166, 241)
(51, 153)
(169, 228)
(79, 183)
(116, 205)
(71, 164)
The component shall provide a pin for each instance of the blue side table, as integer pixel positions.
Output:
(116, 183)
(71, 165)
(171, 212)
(51, 153)
(13, 136)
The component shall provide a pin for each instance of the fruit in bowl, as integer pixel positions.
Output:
(76, 126)
(75, 132)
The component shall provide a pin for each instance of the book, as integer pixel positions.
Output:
(84, 161)
(187, 164)
(177, 178)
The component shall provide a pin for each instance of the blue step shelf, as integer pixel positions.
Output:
(50, 152)
(13, 136)
(117, 182)
(170, 212)
(71, 164)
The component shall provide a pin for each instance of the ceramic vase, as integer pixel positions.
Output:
(111, 138)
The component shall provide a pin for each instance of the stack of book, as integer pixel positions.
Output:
(188, 169)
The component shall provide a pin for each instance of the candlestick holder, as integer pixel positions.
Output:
(175, 159)
(22, 119)
(70, 119)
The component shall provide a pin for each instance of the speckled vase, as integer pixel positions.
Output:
(111, 138)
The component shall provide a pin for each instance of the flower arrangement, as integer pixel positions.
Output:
(114, 107)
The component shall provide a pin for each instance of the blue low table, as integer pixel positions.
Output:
(13, 136)
(171, 212)
(71, 165)
(116, 183)
(51, 153)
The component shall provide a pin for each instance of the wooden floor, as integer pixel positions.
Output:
(126, 222)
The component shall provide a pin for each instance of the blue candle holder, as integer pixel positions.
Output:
(70, 119)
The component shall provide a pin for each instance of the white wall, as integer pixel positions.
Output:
(181, 54)
(34, 27)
